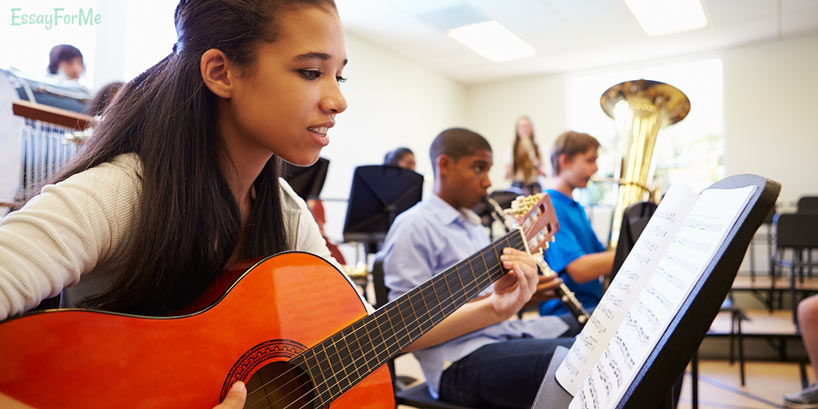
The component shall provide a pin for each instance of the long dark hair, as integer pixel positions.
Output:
(103, 98)
(189, 221)
(515, 154)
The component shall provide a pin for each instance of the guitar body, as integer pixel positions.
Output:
(280, 307)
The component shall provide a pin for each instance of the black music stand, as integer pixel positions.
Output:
(484, 210)
(306, 181)
(650, 388)
(379, 193)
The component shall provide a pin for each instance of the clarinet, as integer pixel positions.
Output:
(565, 294)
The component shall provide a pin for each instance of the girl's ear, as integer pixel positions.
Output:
(215, 70)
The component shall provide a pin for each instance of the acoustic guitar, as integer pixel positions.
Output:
(292, 327)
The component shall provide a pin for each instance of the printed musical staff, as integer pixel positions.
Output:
(653, 283)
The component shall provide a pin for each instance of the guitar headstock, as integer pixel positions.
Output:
(535, 216)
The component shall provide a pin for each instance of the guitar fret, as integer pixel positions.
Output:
(448, 288)
(399, 340)
(448, 305)
(378, 342)
(344, 364)
(409, 338)
(414, 318)
(438, 303)
(459, 294)
(435, 313)
(471, 270)
(337, 365)
(426, 306)
(485, 265)
(352, 355)
(361, 348)
(463, 287)
(496, 255)
(333, 387)
(434, 291)
(412, 305)
(321, 371)
(384, 343)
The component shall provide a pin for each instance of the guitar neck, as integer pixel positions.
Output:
(346, 357)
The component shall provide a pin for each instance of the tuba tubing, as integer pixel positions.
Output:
(641, 109)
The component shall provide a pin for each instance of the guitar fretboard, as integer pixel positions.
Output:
(343, 359)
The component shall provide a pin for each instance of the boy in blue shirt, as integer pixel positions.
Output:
(576, 255)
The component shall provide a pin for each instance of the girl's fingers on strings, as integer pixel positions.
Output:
(235, 397)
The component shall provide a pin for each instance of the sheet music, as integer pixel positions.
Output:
(632, 276)
(678, 271)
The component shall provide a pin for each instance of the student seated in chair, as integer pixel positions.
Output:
(808, 320)
(576, 255)
(502, 363)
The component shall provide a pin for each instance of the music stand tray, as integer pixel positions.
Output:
(379, 193)
(680, 341)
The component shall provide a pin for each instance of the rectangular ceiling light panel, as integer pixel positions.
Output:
(662, 17)
(493, 41)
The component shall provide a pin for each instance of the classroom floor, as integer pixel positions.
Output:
(719, 385)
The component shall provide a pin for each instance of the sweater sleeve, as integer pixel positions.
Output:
(66, 231)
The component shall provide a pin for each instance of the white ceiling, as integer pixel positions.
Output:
(569, 35)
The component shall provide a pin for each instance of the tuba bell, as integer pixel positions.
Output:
(641, 108)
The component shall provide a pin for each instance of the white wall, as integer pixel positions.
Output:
(771, 109)
(493, 108)
(771, 124)
(392, 102)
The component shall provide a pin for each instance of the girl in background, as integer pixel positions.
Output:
(523, 166)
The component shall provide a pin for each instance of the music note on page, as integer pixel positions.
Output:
(634, 273)
(649, 313)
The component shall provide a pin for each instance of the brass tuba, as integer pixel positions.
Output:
(641, 109)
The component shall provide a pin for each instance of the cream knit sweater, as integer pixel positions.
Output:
(76, 234)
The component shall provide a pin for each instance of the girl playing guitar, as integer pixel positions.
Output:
(180, 179)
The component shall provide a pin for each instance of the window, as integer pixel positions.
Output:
(690, 152)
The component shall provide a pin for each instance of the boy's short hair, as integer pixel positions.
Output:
(60, 53)
(571, 143)
(457, 143)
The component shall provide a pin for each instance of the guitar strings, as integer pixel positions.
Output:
(452, 300)
(517, 241)
(384, 342)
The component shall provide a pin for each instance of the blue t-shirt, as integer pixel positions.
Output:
(574, 239)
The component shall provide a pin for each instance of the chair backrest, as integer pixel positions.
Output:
(634, 220)
(379, 284)
(808, 204)
(797, 230)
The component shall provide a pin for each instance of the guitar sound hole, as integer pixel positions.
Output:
(279, 385)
